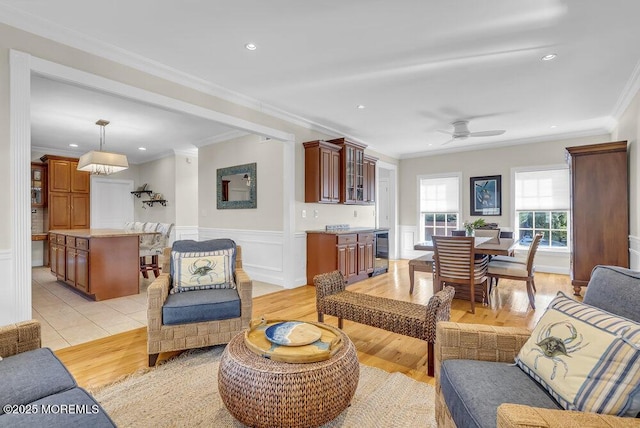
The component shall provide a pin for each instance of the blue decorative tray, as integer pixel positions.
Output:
(293, 333)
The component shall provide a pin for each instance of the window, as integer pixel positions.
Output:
(542, 206)
(439, 206)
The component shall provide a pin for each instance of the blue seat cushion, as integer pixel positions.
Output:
(72, 408)
(31, 375)
(201, 306)
(473, 390)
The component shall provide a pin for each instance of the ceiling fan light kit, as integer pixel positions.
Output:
(101, 162)
(461, 132)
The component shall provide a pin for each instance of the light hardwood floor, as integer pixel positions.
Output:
(104, 360)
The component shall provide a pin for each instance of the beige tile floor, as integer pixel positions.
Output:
(68, 318)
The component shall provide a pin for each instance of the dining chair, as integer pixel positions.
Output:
(456, 264)
(516, 269)
(494, 234)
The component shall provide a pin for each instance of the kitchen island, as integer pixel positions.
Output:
(99, 263)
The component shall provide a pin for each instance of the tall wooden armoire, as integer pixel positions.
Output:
(599, 209)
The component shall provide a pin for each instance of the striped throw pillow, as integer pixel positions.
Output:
(586, 358)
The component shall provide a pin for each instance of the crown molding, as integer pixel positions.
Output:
(52, 31)
(225, 136)
(628, 93)
(190, 153)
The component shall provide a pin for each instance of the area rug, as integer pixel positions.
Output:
(183, 392)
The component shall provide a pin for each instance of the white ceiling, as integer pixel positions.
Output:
(416, 65)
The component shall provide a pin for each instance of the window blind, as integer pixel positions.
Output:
(542, 190)
(439, 195)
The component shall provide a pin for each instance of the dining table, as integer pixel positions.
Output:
(505, 247)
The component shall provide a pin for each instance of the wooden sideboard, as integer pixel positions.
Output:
(351, 252)
(599, 209)
(100, 263)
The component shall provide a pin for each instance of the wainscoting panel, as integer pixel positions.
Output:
(408, 238)
(184, 232)
(262, 253)
(634, 252)
(8, 310)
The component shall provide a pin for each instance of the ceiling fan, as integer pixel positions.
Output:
(461, 132)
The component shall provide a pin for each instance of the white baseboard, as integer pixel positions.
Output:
(634, 252)
(262, 253)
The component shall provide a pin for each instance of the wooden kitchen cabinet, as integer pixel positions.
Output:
(370, 179)
(57, 256)
(69, 193)
(366, 253)
(353, 254)
(351, 170)
(322, 172)
(77, 263)
(599, 209)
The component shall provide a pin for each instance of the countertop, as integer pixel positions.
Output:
(39, 236)
(347, 231)
(100, 233)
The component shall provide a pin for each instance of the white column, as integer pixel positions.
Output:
(20, 153)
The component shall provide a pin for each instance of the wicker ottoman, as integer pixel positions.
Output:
(260, 392)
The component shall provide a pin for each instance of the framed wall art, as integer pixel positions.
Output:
(486, 195)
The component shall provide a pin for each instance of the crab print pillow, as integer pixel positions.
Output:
(586, 358)
(202, 270)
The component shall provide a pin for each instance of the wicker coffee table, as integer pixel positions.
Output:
(260, 392)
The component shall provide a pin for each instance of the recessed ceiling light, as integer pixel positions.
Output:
(360, 106)
(142, 148)
(553, 126)
(251, 46)
(73, 145)
(549, 57)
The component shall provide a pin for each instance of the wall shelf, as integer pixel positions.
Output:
(140, 192)
(151, 202)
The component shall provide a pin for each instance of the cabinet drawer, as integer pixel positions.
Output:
(71, 241)
(82, 243)
(365, 237)
(60, 239)
(347, 239)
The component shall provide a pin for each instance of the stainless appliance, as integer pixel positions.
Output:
(381, 263)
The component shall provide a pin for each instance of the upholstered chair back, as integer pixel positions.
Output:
(616, 290)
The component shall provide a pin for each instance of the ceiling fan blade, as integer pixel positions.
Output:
(448, 141)
(487, 133)
(444, 132)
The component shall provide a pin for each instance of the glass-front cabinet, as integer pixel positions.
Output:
(38, 185)
(352, 190)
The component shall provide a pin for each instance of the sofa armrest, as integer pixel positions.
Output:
(156, 295)
(20, 337)
(477, 342)
(520, 416)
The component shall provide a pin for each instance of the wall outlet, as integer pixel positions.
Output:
(304, 213)
(315, 214)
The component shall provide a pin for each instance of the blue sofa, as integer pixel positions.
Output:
(36, 389)
(477, 384)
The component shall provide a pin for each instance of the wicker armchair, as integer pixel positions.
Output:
(613, 289)
(20, 337)
(166, 338)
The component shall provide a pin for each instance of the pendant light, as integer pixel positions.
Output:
(100, 162)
